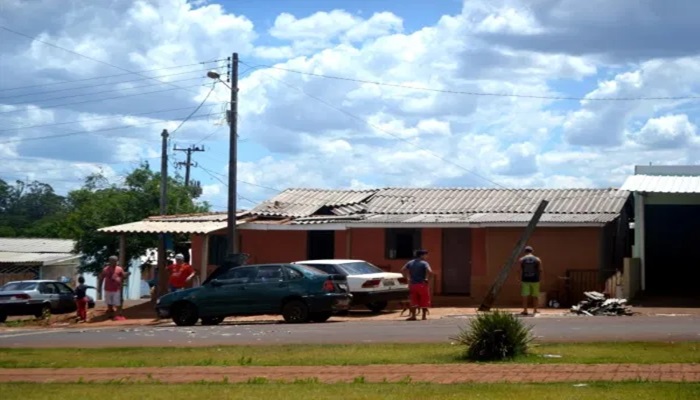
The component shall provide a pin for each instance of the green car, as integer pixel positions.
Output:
(301, 294)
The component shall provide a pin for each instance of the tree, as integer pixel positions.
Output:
(100, 203)
(29, 209)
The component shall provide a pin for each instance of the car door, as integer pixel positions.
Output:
(268, 289)
(66, 297)
(228, 294)
(49, 294)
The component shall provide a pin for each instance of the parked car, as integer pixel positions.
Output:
(369, 285)
(37, 297)
(300, 294)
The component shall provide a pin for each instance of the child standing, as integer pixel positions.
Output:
(81, 300)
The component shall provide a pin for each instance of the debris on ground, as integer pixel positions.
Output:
(597, 304)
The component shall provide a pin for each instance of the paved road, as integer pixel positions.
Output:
(550, 329)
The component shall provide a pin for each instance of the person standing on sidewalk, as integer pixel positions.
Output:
(530, 278)
(181, 274)
(81, 301)
(112, 276)
(418, 271)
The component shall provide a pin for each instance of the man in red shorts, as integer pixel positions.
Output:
(418, 271)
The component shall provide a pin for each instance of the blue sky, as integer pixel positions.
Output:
(301, 130)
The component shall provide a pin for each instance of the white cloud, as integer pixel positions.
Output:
(669, 131)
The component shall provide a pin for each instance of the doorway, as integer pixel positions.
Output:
(320, 245)
(456, 261)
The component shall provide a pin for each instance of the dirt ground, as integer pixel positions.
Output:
(479, 373)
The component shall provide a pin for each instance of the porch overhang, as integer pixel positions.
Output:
(157, 227)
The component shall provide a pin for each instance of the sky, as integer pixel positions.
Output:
(350, 94)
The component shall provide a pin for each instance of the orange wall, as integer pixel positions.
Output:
(341, 247)
(273, 246)
(559, 248)
(196, 247)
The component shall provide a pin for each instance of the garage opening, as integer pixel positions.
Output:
(672, 239)
(321, 245)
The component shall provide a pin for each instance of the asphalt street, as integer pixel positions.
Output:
(550, 329)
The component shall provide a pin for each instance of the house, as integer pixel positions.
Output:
(666, 228)
(32, 258)
(584, 234)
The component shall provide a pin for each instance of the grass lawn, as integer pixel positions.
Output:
(364, 354)
(597, 391)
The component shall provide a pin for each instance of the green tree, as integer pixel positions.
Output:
(29, 209)
(100, 203)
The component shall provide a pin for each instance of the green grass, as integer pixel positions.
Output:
(364, 354)
(354, 391)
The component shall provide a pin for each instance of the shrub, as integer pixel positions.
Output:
(495, 336)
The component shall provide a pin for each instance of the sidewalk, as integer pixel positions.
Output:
(443, 373)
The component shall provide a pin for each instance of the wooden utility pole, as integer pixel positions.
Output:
(162, 278)
(519, 247)
(233, 162)
(187, 164)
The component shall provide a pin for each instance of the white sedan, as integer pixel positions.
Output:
(369, 285)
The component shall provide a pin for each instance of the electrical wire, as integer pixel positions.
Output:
(107, 98)
(471, 93)
(105, 76)
(353, 116)
(94, 119)
(87, 57)
(101, 84)
(60, 135)
(94, 93)
(213, 86)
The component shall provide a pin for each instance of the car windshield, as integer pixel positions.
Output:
(360, 268)
(12, 286)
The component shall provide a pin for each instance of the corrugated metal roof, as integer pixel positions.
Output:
(487, 218)
(468, 201)
(149, 226)
(305, 202)
(36, 245)
(203, 217)
(9, 257)
(662, 184)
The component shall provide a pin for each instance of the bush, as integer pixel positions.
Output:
(495, 336)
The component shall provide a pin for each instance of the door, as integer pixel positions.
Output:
(456, 261)
(66, 298)
(228, 294)
(320, 245)
(49, 294)
(268, 289)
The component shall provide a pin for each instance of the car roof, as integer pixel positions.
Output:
(34, 281)
(329, 261)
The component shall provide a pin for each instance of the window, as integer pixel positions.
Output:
(63, 289)
(45, 288)
(271, 273)
(217, 249)
(19, 286)
(239, 275)
(360, 268)
(293, 274)
(327, 268)
(401, 244)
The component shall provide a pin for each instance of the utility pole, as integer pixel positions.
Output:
(162, 278)
(233, 162)
(188, 163)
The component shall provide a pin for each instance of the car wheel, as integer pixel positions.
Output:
(377, 306)
(185, 315)
(3, 317)
(295, 312)
(212, 320)
(321, 317)
(42, 312)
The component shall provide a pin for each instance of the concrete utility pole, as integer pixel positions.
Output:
(162, 278)
(188, 163)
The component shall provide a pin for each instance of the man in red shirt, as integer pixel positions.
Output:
(112, 276)
(181, 273)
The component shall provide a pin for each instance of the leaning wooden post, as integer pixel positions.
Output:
(501, 279)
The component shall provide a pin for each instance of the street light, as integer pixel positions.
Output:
(232, 242)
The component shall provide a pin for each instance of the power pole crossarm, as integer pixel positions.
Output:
(188, 164)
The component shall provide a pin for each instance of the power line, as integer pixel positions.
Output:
(471, 93)
(86, 57)
(107, 98)
(353, 116)
(101, 84)
(94, 119)
(195, 110)
(105, 76)
(94, 93)
(95, 131)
